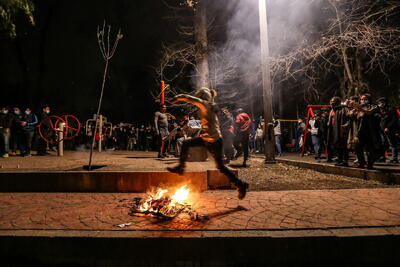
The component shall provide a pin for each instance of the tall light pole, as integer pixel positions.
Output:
(266, 83)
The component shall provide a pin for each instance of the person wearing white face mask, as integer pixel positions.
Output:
(28, 123)
(46, 130)
(16, 132)
(6, 121)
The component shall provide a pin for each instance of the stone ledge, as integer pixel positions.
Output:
(376, 175)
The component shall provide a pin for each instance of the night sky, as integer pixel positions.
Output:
(58, 61)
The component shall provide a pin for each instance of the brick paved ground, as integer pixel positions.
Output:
(261, 211)
(113, 161)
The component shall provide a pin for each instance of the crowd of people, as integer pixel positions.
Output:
(236, 127)
(18, 131)
(355, 125)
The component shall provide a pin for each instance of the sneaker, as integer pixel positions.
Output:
(13, 153)
(160, 156)
(394, 161)
(178, 170)
(342, 164)
(5, 155)
(242, 190)
(244, 164)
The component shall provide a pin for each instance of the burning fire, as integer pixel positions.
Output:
(165, 205)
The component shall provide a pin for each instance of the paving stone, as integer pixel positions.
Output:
(363, 209)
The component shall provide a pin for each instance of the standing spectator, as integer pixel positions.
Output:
(314, 125)
(300, 128)
(228, 135)
(6, 121)
(149, 139)
(389, 126)
(243, 125)
(323, 129)
(260, 139)
(338, 124)
(369, 138)
(46, 130)
(28, 123)
(278, 135)
(194, 127)
(161, 127)
(16, 132)
(142, 138)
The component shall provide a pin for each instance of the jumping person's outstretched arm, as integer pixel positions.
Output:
(191, 100)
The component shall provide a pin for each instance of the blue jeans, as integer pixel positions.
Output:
(5, 135)
(278, 145)
(317, 146)
(27, 145)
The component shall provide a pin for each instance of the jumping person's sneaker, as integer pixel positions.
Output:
(160, 156)
(242, 189)
(178, 170)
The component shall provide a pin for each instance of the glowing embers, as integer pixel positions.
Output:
(163, 205)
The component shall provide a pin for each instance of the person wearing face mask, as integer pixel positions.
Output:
(6, 121)
(389, 126)
(28, 123)
(46, 130)
(338, 124)
(16, 132)
(369, 139)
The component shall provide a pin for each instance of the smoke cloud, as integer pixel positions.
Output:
(235, 61)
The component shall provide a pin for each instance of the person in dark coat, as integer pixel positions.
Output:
(338, 124)
(29, 122)
(46, 131)
(390, 126)
(228, 134)
(6, 122)
(16, 132)
(369, 139)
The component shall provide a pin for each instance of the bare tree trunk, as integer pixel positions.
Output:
(200, 29)
(360, 76)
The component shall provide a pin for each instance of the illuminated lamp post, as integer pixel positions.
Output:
(266, 83)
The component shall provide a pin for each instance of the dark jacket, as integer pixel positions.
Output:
(368, 127)
(17, 122)
(45, 121)
(389, 120)
(338, 124)
(31, 120)
(6, 120)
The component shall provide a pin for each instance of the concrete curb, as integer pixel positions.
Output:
(200, 248)
(109, 181)
(376, 175)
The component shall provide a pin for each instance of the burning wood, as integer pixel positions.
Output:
(161, 204)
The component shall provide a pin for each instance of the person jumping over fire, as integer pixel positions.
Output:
(210, 136)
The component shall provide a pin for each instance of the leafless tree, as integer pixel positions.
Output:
(359, 39)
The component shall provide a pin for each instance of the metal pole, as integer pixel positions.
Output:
(266, 82)
(60, 151)
(100, 132)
